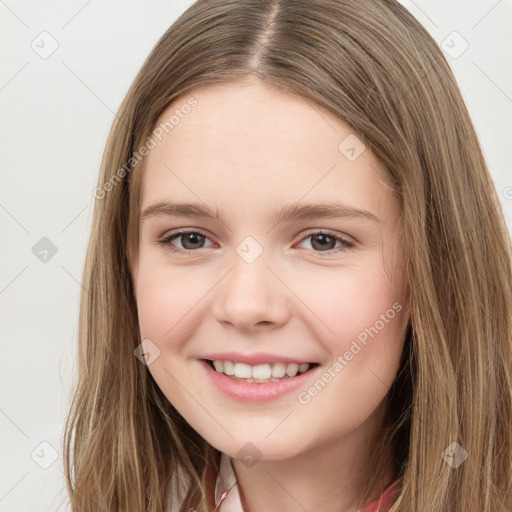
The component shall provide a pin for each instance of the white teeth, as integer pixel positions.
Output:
(261, 372)
(229, 367)
(242, 371)
(303, 367)
(278, 370)
(292, 369)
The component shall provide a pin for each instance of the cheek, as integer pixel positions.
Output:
(351, 301)
(361, 329)
(157, 308)
(361, 315)
(167, 310)
(164, 302)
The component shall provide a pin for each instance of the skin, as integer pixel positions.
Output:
(249, 148)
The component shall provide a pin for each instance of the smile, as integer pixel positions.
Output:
(261, 373)
(251, 389)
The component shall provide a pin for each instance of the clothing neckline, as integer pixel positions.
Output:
(227, 496)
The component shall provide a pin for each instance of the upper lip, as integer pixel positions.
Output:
(253, 359)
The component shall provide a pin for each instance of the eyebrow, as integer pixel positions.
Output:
(290, 212)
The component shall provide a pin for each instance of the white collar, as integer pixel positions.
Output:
(227, 482)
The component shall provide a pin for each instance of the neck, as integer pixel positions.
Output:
(326, 478)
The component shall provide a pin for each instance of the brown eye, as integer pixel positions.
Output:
(190, 241)
(326, 242)
(323, 242)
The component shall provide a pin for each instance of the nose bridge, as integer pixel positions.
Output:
(251, 293)
(250, 277)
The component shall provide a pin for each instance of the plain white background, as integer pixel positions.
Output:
(56, 113)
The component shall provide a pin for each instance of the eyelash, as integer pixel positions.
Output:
(166, 242)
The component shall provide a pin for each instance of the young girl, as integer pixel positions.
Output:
(298, 282)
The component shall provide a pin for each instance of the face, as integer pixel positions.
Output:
(254, 284)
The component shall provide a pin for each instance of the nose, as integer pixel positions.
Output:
(252, 296)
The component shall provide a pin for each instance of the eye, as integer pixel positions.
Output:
(324, 240)
(192, 240)
(189, 239)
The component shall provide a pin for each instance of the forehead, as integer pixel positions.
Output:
(250, 142)
(251, 115)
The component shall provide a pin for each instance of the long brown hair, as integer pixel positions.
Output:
(374, 66)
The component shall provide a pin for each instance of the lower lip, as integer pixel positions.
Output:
(252, 391)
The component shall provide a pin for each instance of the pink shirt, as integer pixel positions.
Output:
(227, 496)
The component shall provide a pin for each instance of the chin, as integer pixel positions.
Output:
(251, 450)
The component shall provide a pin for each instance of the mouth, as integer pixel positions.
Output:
(262, 373)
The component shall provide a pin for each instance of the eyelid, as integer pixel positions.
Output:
(329, 232)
